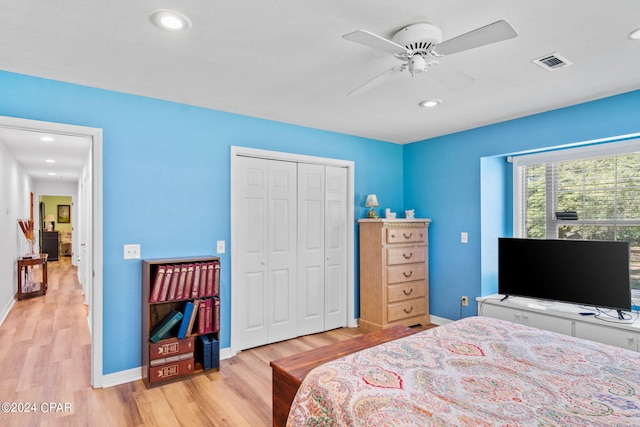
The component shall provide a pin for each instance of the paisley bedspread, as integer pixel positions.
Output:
(477, 371)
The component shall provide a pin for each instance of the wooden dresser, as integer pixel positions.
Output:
(394, 273)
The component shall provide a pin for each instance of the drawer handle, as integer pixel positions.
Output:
(407, 256)
(404, 273)
(404, 291)
(407, 237)
(410, 310)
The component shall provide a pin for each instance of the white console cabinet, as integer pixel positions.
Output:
(562, 318)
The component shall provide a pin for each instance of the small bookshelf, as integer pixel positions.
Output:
(180, 318)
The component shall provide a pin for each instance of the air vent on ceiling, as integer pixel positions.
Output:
(552, 62)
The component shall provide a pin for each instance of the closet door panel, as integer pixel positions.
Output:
(311, 213)
(336, 223)
(282, 250)
(250, 291)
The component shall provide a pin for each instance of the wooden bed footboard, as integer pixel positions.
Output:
(288, 372)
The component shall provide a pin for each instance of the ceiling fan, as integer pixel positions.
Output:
(419, 45)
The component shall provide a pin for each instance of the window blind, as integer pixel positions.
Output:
(603, 189)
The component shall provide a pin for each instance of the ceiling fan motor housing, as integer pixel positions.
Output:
(419, 38)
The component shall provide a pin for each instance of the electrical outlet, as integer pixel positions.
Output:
(465, 301)
(131, 251)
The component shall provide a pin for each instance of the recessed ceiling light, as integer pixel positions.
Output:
(51, 174)
(635, 34)
(430, 103)
(50, 161)
(170, 20)
(46, 138)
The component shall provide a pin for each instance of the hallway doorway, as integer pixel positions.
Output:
(89, 211)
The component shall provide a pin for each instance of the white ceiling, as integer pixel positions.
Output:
(285, 60)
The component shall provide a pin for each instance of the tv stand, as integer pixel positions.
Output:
(563, 318)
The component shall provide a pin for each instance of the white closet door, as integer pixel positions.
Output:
(336, 222)
(282, 252)
(311, 270)
(250, 287)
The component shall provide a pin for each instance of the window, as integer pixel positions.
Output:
(600, 183)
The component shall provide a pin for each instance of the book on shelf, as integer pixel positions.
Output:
(188, 284)
(203, 351)
(209, 284)
(189, 278)
(169, 359)
(165, 325)
(157, 283)
(216, 315)
(192, 318)
(202, 313)
(200, 290)
(215, 353)
(166, 283)
(186, 318)
(197, 269)
(216, 280)
(208, 325)
(178, 280)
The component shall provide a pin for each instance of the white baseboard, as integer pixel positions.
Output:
(6, 309)
(121, 377)
(439, 320)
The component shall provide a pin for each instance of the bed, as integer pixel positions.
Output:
(474, 372)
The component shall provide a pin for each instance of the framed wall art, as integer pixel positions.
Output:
(64, 214)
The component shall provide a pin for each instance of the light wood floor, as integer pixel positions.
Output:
(45, 359)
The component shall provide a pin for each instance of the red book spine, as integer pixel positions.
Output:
(157, 283)
(165, 283)
(201, 317)
(174, 283)
(208, 324)
(193, 288)
(216, 315)
(216, 280)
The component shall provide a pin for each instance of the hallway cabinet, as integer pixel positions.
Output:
(51, 244)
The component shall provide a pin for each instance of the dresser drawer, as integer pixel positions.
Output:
(406, 235)
(405, 291)
(406, 273)
(410, 308)
(406, 255)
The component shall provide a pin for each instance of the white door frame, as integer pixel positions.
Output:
(279, 155)
(95, 244)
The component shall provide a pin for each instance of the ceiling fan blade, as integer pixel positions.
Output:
(492, 33)
(372, 40)
(449, 76)
(376, 81)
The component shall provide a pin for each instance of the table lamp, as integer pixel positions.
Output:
(49, 220)
(372, 202)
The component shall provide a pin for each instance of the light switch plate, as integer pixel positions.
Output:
(220, 247)
(132, 251)
(464, 237)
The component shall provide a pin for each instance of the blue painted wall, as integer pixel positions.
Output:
(166, 183)
(450, 178)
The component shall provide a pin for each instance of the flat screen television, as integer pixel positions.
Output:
(586, 272)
